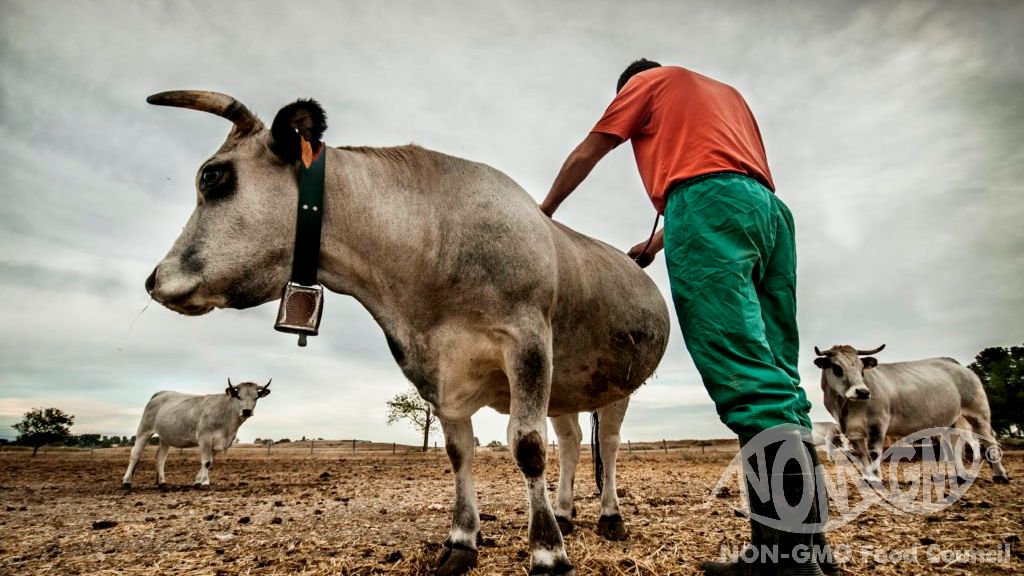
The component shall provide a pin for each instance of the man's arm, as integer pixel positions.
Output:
(576, 167)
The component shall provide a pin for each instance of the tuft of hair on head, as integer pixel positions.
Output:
(633, 69)
(303, 117)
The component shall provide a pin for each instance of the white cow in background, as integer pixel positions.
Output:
(829, 436)
(186, 420)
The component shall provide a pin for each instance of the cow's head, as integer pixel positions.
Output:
(843, 370)
(244, 396)
(236, 249)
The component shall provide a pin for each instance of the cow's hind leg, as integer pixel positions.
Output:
(141, 440)
(161, 458)
(206, 461)
(993, 453)
(460, 551)
(610, 525)
(528, 367)
(567, 427)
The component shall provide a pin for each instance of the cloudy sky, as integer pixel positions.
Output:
(893, 131)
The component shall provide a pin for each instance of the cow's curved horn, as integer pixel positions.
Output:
(229, 383)
(820, 353)
(213, 102)
(267, 385)
(870, 352)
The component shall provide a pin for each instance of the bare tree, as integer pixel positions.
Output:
(409, 406)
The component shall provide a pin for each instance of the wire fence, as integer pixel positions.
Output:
(354, 448)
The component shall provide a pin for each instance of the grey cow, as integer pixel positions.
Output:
(871, 401)
(187, 420)
(482, 299)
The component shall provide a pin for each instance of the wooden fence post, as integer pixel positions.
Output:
(269, 444)
(630, 446)
(664, 446)
(311, 447)
(393, 446)
(353, 444)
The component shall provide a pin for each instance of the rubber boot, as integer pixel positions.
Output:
(771, 538)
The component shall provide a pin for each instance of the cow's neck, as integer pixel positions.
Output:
(234, 419)
(378, 236)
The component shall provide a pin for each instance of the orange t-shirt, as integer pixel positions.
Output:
(684, 125)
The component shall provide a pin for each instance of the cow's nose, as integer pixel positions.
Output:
(246, 413)
(863, 394)
(151, 282)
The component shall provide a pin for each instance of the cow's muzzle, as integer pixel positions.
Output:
(246, 413)
(859, 393)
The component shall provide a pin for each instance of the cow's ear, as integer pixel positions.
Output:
(302, 117)
(263, 392)
(822, 363)
(228, 392)
(869, 362)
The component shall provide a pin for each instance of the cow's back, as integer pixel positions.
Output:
(926, 393)
(175, 417)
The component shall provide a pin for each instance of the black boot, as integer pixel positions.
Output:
(780, 546)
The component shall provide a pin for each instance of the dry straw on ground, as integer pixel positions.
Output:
(368, 512)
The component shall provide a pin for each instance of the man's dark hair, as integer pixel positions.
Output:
(634, 69)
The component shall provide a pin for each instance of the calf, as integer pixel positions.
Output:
(872, 400)
(186, 420)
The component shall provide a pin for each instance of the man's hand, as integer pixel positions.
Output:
(643, 253)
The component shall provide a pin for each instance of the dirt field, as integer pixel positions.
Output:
(374, 513)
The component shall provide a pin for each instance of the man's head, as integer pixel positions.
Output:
(634, 69)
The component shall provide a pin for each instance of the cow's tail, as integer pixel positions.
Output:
(595, 450)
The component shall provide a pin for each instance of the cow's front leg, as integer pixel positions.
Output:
(528, 366)
(460, 553)
(567, 427)
(206, 461)
(610, 525)
(161, 458)
(859, 446)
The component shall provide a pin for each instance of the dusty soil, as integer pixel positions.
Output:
(373, 513)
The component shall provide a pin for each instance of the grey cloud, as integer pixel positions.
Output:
(892, 130)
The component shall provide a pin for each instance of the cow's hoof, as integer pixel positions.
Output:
(564, 525)
(611, 527)
(964, 479)
(455, 560)
(1001, 479)
(126, 486)
(203, 487)
(162, 486)
(559, 568)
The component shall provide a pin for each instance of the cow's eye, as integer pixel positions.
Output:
(210, 177)
(837, 371)
(217, 181)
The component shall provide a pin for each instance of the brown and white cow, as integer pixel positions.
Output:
(871, 400)
(186, 420)
(483, 300)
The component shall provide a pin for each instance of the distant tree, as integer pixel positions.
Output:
(496, 445)
(88, 440)
(283, 441)
(1002, 374)
(476, 441)
(44, 426)
(153, 441)
(410, 407)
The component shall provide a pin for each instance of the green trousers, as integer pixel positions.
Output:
(731, 255)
